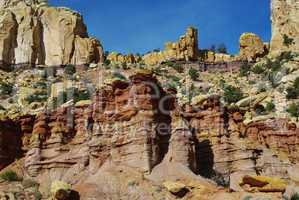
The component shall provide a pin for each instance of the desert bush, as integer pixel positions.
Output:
(10, 176)
(293, 91)
(293, 110)
(295, 197)
(259, 110)
(175, 66)
(248, 198)
(193, 73)
(258, 69)
(222, 48)
(219, 179)
(5, 89)
(270, 106)
(244, 70)
(70, 69)
(287, 41)
(273, 77)
(119, 76)
(36, 98)
(232, 94)
(70, 94)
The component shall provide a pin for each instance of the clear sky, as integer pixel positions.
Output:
(138, 26)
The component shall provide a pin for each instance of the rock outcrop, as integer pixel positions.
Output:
(119, 58)
(36, 34)
(185, 49)
(285, 26)
(280, 135)
(251, 47)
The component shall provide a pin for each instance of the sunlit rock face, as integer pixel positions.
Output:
(285, 26)
(34, 33)
(251, 47)
(186, 49)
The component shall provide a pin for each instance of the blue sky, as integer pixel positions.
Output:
(131, 26)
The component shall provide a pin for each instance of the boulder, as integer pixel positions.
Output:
(60, 190)
(264, 183)
(175, 187)
(251, 47)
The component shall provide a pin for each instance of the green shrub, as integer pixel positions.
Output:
(222, 48)
(10, 176)
(293, 92)
(5, 89)
(173, 78)
(260, 110)
(285, 56)
(232, 94)
(258, 69)
(293, 110)
(70, 69)
(244, 70)
(37, 194)
(270, 106)
(193, 73)
(287, 41)
(36, 98)
(295, 197)
(273, 78)
(119, 76)
(172, 85)
(176, 67)
(219, 179)
(125, 66)
(70, 94)
(248, 198)
(40, 85)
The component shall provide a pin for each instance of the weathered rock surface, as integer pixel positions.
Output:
(119, 58)
(277, 134)
(33, 33)
(285, 25)
(185, 49)
(251, 47)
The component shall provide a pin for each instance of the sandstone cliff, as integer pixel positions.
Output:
(285, 26)
(34, 33)
(185, 49)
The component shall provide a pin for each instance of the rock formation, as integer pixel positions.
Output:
(251, 47)
(285, 26)
(175, 124)
(185, 49)
(33, 33)
(119, 58)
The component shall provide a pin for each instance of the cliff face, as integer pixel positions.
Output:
(126, 126)
(138, 131)
(34, 33)
(285, 26)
